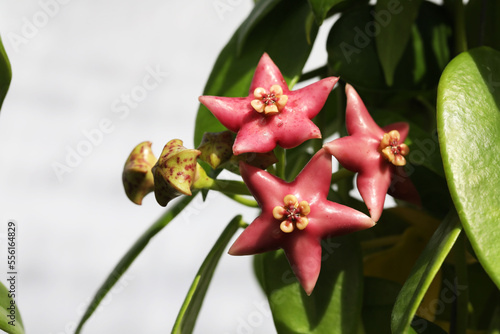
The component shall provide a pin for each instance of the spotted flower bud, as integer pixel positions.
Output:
(259, 160)
(216, 147)
(174, 172)
(137, 177)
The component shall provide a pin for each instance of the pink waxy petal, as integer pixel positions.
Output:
(304, 255)
(358, 119)
(402, 127)
(310, 99)
(230, 111)
(266, 75)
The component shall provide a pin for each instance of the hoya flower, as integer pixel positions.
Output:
(271, 114)
(296, 216)
(377, 154)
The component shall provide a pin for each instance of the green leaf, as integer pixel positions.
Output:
(335, 304)
(353, 55)
(378, 301)
(282, 35)
(131, 255)
(9, 312)
(5, 73)
(422, 274)
(261, 9)
(395, 21)
(468, 114)
(483, 26)
(321, 7)
(186, 318)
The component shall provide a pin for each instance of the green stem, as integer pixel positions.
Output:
(131, 255)
(463, 296)
(318, 72)
(280, 165)
(460, 36)
(186, 319)
(229, 187)
(341, 174)
(243, 200)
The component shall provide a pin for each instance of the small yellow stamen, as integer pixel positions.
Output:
(292, 214)
(392, 150)
(269, 103)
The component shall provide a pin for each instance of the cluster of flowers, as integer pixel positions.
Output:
(295, 216)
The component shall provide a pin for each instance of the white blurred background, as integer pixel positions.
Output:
(74, 63)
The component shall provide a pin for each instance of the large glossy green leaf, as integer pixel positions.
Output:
(5, 73)
(10, 317)
(394, 20)
(335, 304)
(422, 274)
(186, 318)
(282, 35)
(468, 111)
(131, 255)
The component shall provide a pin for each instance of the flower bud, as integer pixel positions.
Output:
(259, 160)
(216, 147)
(137, 176)
(174, 172)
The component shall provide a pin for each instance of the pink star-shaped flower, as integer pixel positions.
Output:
(377, 154)
(271, 114)
(296, 216)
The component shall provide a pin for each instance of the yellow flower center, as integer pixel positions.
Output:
(292, 214)
(269, 103)
(391, 150)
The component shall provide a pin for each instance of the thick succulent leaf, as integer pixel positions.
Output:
(395, 29)
(186, 318)
(335, 304)
(5, 73)
(10, 317)
(131, 255)
(424, 271)
(468, 111)
(282, 35)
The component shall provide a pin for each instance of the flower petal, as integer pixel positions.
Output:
(262, 235)
(373, 187)
(310, 99)
(230, 111)
(333, 219)
(313, 182)
(304, 255)
(266, 75)
(358, 119)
